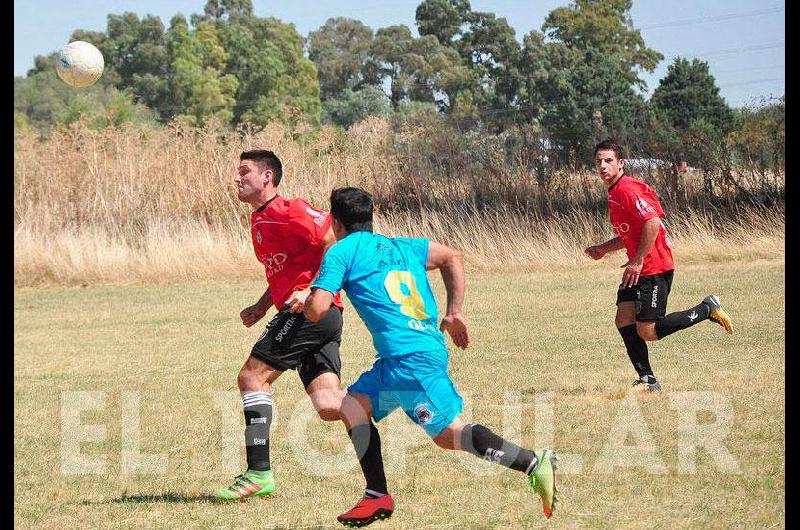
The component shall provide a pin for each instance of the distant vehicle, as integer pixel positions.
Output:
(652, 163)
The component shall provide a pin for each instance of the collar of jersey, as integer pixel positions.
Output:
(261, 208)
(612, 186)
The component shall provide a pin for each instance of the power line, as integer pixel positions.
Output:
(730, 51)
(704, 20)
(755, 81)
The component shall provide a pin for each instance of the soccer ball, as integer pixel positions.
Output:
(79, 64)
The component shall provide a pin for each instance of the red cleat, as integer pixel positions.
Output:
(368, 511)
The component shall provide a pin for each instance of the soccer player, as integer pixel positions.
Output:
(387, 283)
(636, 212)
(289, 237)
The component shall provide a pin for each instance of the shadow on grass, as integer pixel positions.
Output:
(168, 497)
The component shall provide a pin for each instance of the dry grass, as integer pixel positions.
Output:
(158, 205)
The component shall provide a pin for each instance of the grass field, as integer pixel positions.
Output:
(545, 366)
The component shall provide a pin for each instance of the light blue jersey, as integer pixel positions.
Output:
(387, 283)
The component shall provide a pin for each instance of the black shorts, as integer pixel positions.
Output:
(650, 295)
(291, 342)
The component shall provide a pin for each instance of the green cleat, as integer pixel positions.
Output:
(251, 484)
(543, 479)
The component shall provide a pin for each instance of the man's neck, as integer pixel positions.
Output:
(262, 202)
(614, 183)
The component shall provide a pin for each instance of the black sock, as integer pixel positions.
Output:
(367, 443)
(637, 350)
(480, 441)
(258, 418)
(681, 320)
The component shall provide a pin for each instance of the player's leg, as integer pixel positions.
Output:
(255, 385)
(273, 353)
(321, 368)
(356, 412)
(636, 347)
(432, 401)
(656, 324)
(478, 440)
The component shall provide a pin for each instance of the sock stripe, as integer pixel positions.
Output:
(373, 493)
(257, 402)
(531, 466)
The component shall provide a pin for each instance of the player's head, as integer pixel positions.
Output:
(609, 159)
(257, 176)
(351, 209)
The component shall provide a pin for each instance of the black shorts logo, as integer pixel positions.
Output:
(654, 301)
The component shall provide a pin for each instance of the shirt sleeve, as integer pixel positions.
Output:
(419, 247)
(334, 269)
(641, 205)
(307, 222)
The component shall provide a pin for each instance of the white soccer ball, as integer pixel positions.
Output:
(79, 64)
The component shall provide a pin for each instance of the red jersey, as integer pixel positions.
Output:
(287, 237)
(631, 202)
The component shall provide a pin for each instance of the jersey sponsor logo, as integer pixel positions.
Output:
(654, 300)
(423, 413)
(419, 325)
(273, 263)
(622, 228)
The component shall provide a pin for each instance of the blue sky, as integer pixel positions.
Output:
(742, 40)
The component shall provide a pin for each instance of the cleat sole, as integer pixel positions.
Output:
(358, 523)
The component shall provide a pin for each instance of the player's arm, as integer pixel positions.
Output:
(317, 304)
(634, 267)
(598, 251)
(450, 263)
(252, 314)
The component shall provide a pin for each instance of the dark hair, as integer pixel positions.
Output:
(610, 145)
(353, 208)
(262, 156)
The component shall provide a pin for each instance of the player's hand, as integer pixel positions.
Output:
(297, 300)
(456, 326)
(595, 252)
(632, 271)
(252, 314)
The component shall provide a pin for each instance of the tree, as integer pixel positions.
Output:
(604, 25)
(197, 61)
(687, 93)
(349, 107)
(340, 50)
(276, 81)
(488, 50)
(565, 86)
(444, 19)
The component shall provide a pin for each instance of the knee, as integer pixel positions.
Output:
(443, 441)
(647, 331)
(246, 380)
(622, 321)
(447, 438)
(328, 404)
(328, 413)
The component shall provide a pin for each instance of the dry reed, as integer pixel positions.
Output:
(158, 205)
